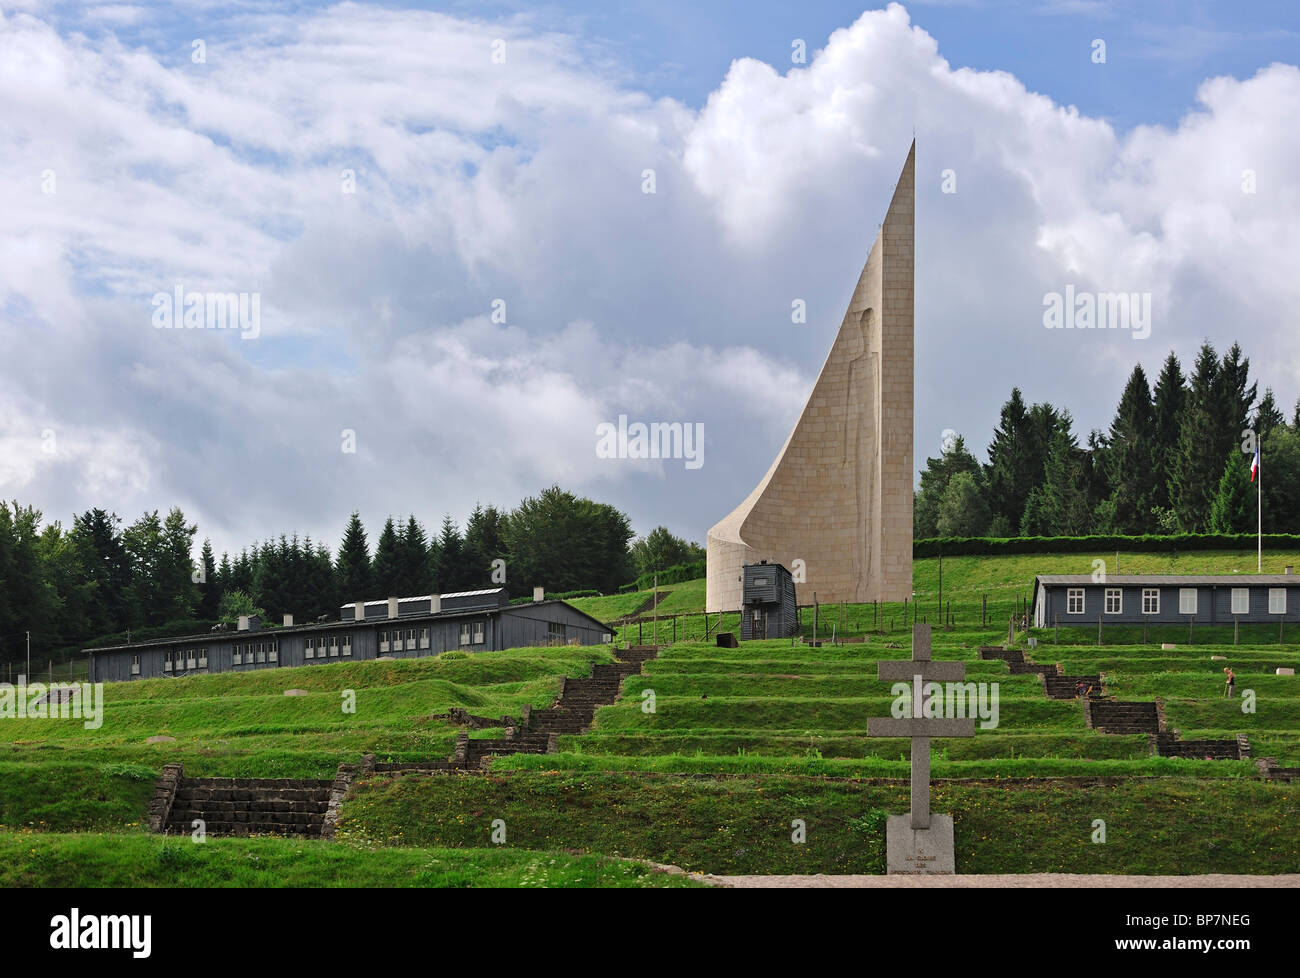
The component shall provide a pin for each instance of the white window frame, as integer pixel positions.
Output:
(1151, 601)
(190, 659)
(1184, 594)
(309, 649)
(236, 656)
(424, 638)
(1075, 594)
(410, 639)
(465, 633)
(347, 646)
(1277, 601)
(1241, 607)
(273, 650)
(135, 665)
(203, 658)
(168, 662)
(1117, 594)
(480, 631)
(383, 640)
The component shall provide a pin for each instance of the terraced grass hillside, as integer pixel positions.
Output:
(243, 725)
(743, 746)
(776, 706)
(707, 761)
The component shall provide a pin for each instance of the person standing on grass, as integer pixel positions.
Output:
(1231, 684)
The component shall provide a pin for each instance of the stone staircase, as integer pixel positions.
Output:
(572, 713)
(988, 652)
(295, 806)
(1109, 716)
(1114, 717)
(1168, 745)
(1067, 687)
(249, 806)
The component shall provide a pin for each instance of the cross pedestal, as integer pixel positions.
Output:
(920, 843)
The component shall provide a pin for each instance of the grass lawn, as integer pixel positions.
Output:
(744, 824)
(136, 860)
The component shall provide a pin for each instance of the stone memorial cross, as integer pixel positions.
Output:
(920, 728)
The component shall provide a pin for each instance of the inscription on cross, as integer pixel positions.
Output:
(920, 670)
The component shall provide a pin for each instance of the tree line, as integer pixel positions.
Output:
(1172, 461)
(98, 577)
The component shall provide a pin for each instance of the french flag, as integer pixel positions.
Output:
(1254, 466)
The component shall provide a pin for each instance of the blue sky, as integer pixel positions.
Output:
(521, 182)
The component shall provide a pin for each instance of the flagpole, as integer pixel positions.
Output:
(1259, 509)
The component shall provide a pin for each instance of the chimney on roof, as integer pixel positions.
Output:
(1288, 568)
(435, 603)
(392, 608)
(359, 611)
(243, 623)
(539, 594)
(288, 620)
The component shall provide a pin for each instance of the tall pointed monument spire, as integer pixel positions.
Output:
(835, 508)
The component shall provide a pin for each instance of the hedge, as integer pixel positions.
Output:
(1149, 543)
(560, 596)
(693, 570)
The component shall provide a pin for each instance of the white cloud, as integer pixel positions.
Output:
(522, 182)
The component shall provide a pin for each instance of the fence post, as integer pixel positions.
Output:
(1236, 628)
(1098, 628)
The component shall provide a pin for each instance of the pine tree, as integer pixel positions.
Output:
(964, 509)
(1058, 506)
(483, 545)
(1130, 458)
(413, 548)
(1169, 404)
(935, 479)
(385, 572)
(1197, 463)
(352, 568)
(209, 585)
(1280, 480)
(453, 573)
(1011, 470)
(1233, 507)
(1267, 416)
(1236, 392)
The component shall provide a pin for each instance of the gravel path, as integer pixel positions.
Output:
(1045, 880)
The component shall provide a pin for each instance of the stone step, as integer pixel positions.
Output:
(997, 652)
(1024, 668)
(245, 795)
(1066, 687)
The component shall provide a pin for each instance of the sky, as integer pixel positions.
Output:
(467, 235)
